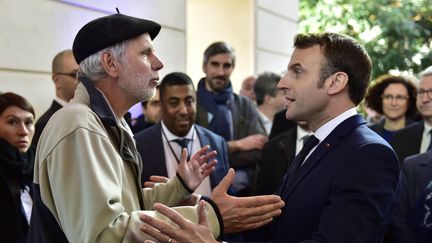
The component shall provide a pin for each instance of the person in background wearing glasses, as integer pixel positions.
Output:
(394, 97)
(416, 138)
(64, 70)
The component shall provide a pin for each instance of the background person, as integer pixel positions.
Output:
(16, 166)
(229, 115)
(64, 75)
(395, 98)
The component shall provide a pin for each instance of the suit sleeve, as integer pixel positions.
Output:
(402, 231)
(360, 205)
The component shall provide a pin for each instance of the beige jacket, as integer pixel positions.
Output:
(88, 176)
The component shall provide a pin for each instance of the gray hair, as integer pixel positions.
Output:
(426, 72)
(91, 67)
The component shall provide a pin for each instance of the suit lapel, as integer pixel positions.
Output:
(204, 140)
(330, 142)
(156, 165)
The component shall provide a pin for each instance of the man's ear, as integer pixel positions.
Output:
(338, 83)
(109, 64)
(56, 79)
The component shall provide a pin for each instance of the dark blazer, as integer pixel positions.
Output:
(277, 155)
(345, 191)
(379, 127)
(43, 120)
(150, 147)
(417, 173)
(280, 124)
(407, 141)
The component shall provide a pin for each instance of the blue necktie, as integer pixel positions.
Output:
(183, 142)
(311, 142)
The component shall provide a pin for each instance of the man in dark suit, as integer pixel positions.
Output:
(158, 145)
(64, 70)
(416, 138)
(417, 173)
(343, 184)
(277, 155)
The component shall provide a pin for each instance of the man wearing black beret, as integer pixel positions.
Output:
(87, 172)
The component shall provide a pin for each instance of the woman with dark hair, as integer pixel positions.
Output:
(395, 98)
(16, 166)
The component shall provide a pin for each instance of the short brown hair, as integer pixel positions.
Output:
(342, 54)
(11, 99)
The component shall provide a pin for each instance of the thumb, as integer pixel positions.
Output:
(226, 182)
(202, 217)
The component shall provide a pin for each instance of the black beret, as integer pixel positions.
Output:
(109, 30)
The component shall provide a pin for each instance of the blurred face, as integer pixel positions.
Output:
(65, 79)
(247, 88)
(139, 73)
(16, 127)
(152, 109)
(218, 71)
(395, 101)
(278, 101)
(178, 108)
(304, 100)
(424, 98)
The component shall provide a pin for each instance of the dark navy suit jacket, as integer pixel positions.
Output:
(150, 146)
(43, 120)
(344, 192)
(417, 173)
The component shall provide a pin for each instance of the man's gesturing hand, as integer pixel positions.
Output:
(244, 213)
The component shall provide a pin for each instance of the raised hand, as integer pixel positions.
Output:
(198, 167)
(244, 213)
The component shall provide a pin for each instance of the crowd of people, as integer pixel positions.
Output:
(289, 159)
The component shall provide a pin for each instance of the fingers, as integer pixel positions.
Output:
(202, 217)
(149, 184)
(154, 180)
(265, 200)
(156, 228)
(223, 186)
(171, 214)
(158, 179)
(208, 168)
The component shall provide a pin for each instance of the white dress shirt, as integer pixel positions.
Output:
(171, 159)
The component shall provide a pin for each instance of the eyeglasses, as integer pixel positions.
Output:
(72, 74)
(398, 98)
(421, 92)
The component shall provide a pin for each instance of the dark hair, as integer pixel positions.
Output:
(145, 102)
(220, 47)
(373, 97)
(175, 78)
(266, 84)
(11, 99)
(342, 54)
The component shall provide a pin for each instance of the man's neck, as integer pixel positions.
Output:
(267, 111)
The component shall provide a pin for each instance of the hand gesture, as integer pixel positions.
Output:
(198, 167)
(244, 213)
(155, 179)
(186, 231)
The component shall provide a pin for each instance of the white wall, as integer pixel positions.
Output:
(276, 25)
(34, 31)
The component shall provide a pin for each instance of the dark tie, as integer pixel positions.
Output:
(430, 143)
(311, 142)
(183, 142)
